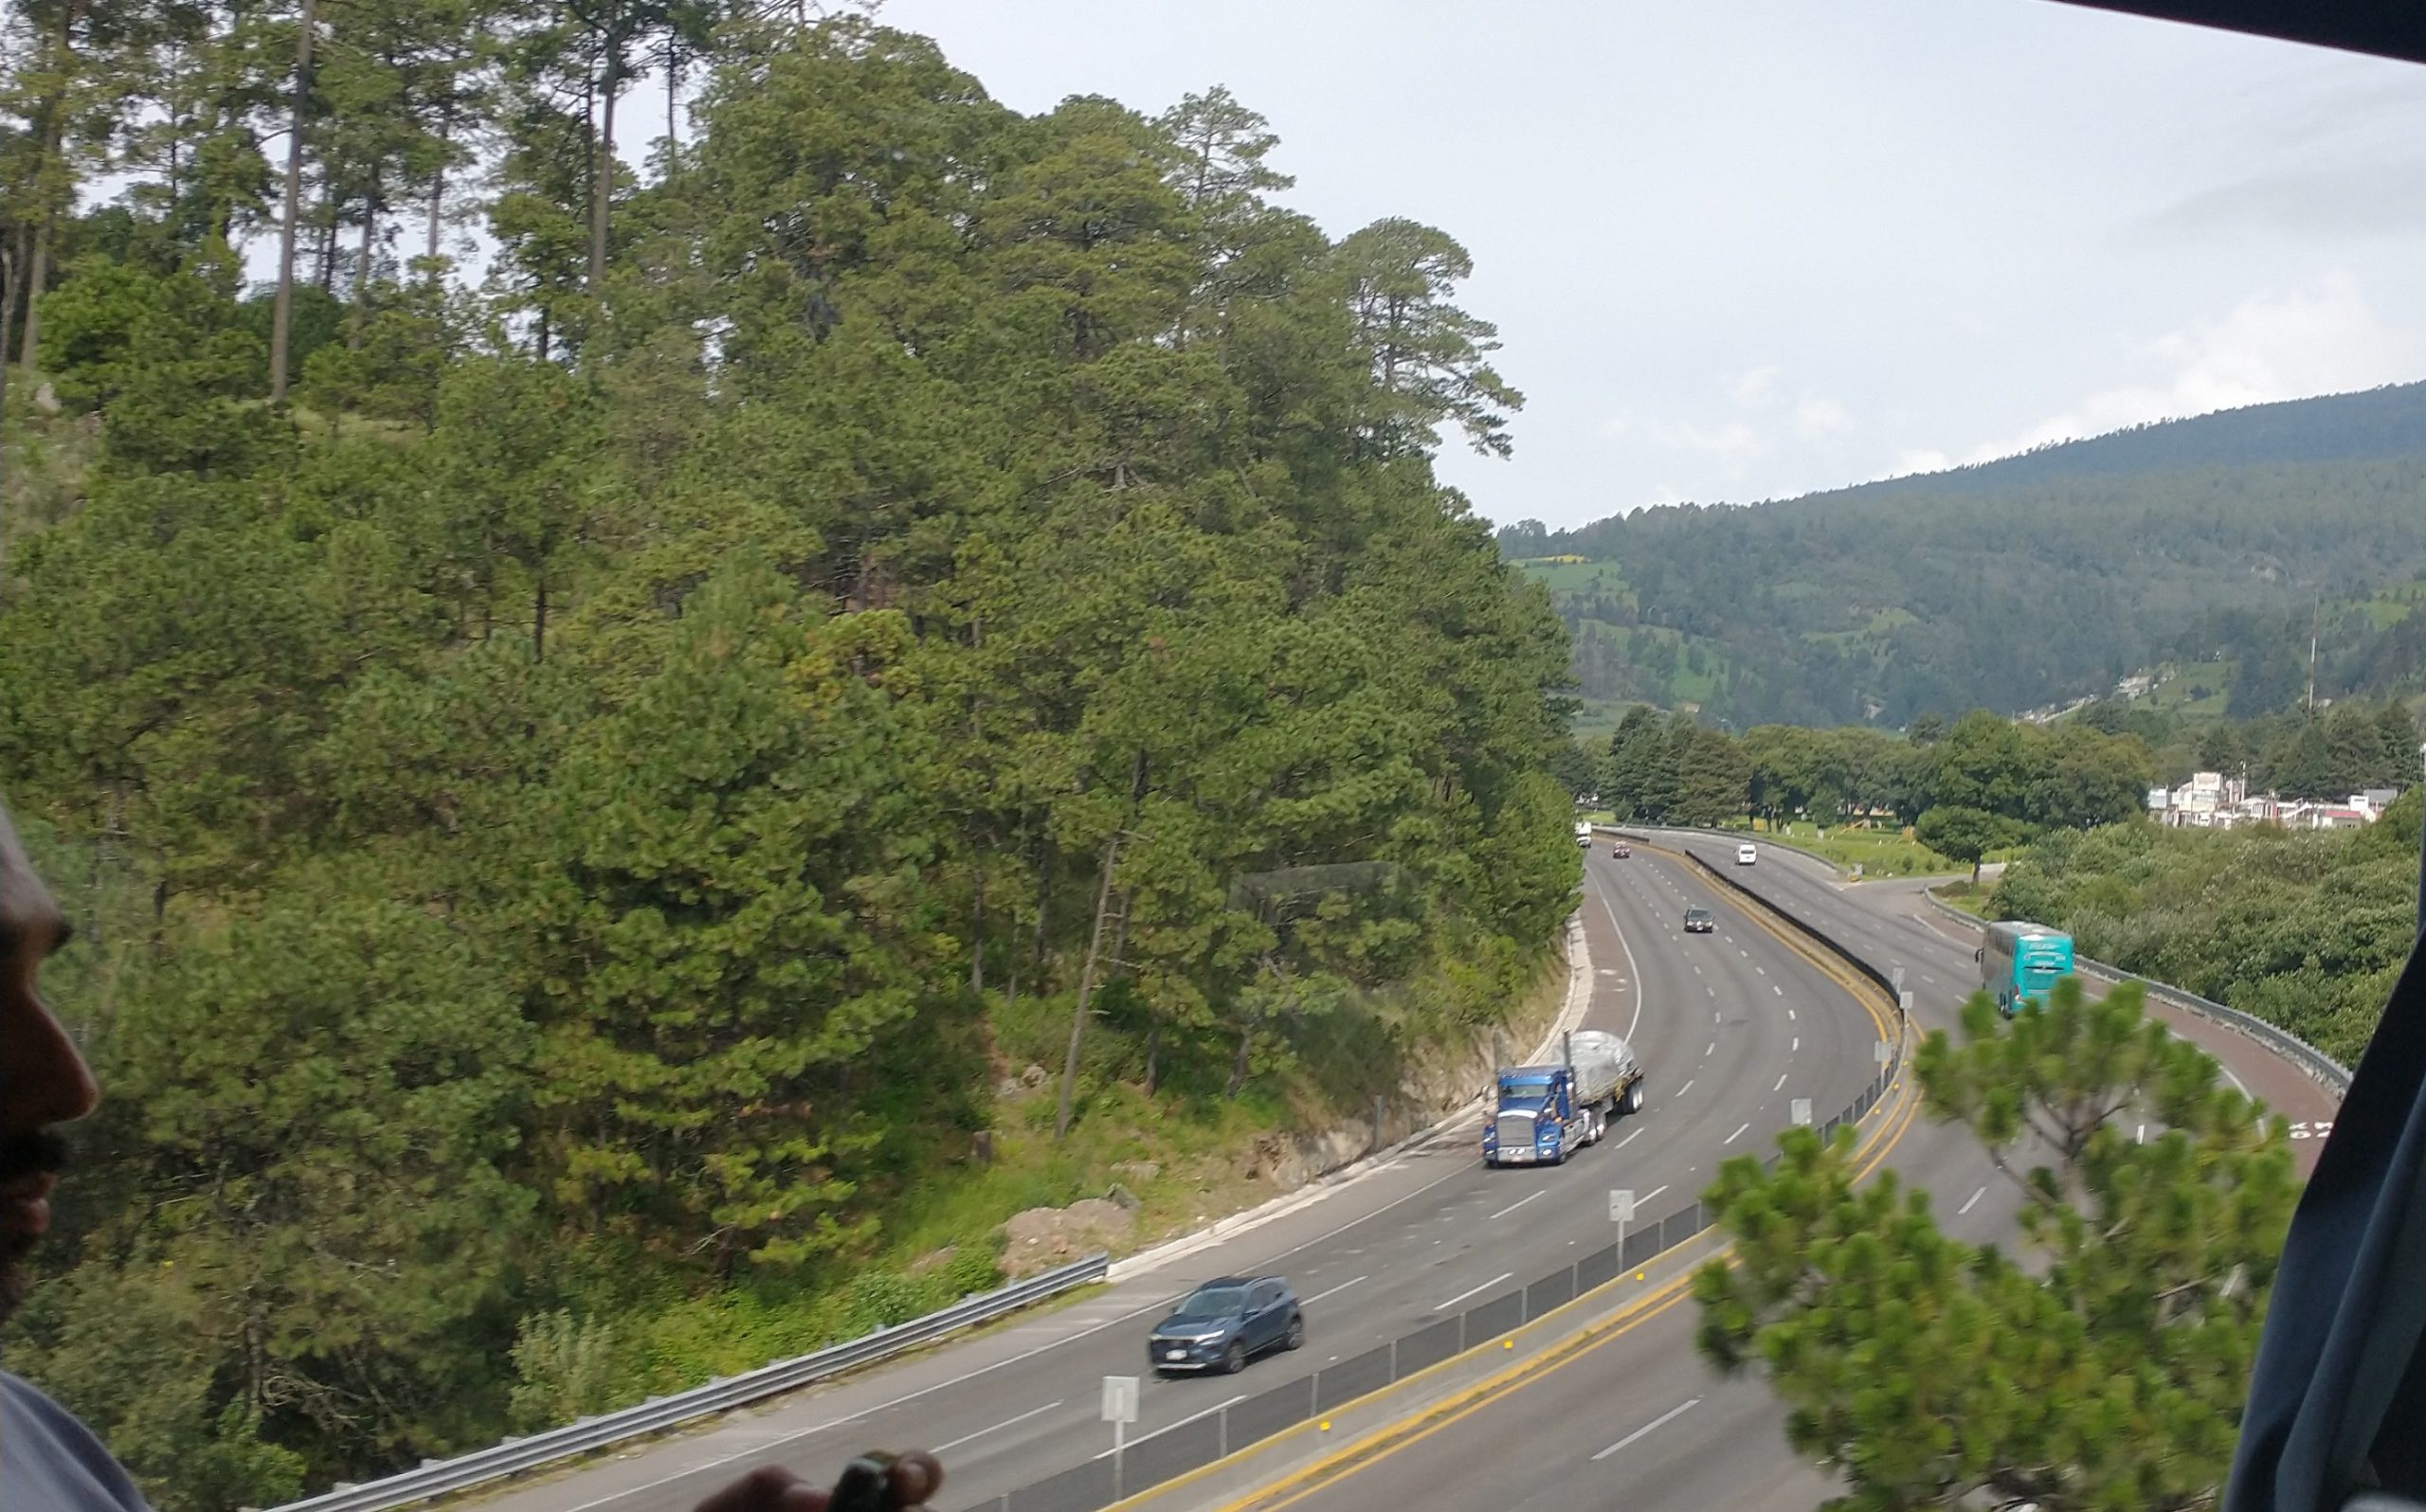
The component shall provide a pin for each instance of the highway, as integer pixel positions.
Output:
(1887, 923)
(1638, 1420)
(1732, 1026)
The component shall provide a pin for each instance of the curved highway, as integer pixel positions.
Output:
(1732, 1027)
(1640, 1420)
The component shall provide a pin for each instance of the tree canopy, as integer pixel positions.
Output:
(640, 747)
(2103, 1366)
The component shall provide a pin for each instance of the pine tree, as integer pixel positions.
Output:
(2106, 1368)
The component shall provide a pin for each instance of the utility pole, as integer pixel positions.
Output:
(2315, 613)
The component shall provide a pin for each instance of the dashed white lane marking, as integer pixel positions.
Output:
(1518, 1203)
(1470, 1290)
(1334, 1290)
(1654, 1425)
(1007, 1422)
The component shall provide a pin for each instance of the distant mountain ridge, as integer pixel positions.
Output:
(2369, 424)
(2026, 581)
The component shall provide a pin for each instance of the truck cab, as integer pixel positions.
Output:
(1533, 1118)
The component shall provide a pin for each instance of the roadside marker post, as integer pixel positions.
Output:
(1621, 1213)
(1119, 1409)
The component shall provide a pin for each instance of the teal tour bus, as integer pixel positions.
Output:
(2019, 960)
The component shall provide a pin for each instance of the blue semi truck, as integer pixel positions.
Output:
(1542, 1114)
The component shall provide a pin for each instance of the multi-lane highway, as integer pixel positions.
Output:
(1887, 923)
(1638, 1420)
(1732, 1027)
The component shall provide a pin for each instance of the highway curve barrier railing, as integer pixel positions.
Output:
(517, 1456)
(1195, 1443)
(2318, 1066)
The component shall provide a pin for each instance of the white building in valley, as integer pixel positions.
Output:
(2211, 800)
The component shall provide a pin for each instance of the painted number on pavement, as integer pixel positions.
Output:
(2312, 1131)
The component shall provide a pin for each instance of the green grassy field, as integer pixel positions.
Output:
(1971, 900)
(1878, 852)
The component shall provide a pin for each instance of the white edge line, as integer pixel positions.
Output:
(1634, 972)
(1462, 1296)
(1661, 1421)
(1628, 1140)
(1653, 1195)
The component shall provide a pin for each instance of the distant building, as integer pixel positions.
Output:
(2208, 801)
(2211, 800)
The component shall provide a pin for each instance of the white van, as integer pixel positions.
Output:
(1746, 855)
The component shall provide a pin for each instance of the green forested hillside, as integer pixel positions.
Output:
(573, 812)
(2029, 582)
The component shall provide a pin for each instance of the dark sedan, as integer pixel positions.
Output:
(1224, 1323)
(1700, 921)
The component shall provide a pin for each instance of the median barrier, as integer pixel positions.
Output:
(2314, 1063)
(1761, 839)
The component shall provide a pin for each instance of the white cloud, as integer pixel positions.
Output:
(1752, 390)
(1919, 460)
(1817, 417)
(1733, 442)
(2275, 345)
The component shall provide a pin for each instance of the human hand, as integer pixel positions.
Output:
(913, 1478)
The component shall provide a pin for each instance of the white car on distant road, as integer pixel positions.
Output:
(1746, 855)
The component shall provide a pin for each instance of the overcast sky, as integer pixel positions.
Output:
(1743, 249)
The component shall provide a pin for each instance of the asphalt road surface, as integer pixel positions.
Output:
(1640, 1421)
(1732, 1027)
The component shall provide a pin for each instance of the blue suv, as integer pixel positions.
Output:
(1226, 1323)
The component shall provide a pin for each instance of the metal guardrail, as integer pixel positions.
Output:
(2315, 1064)
(1803, 926)
(515, 1455)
